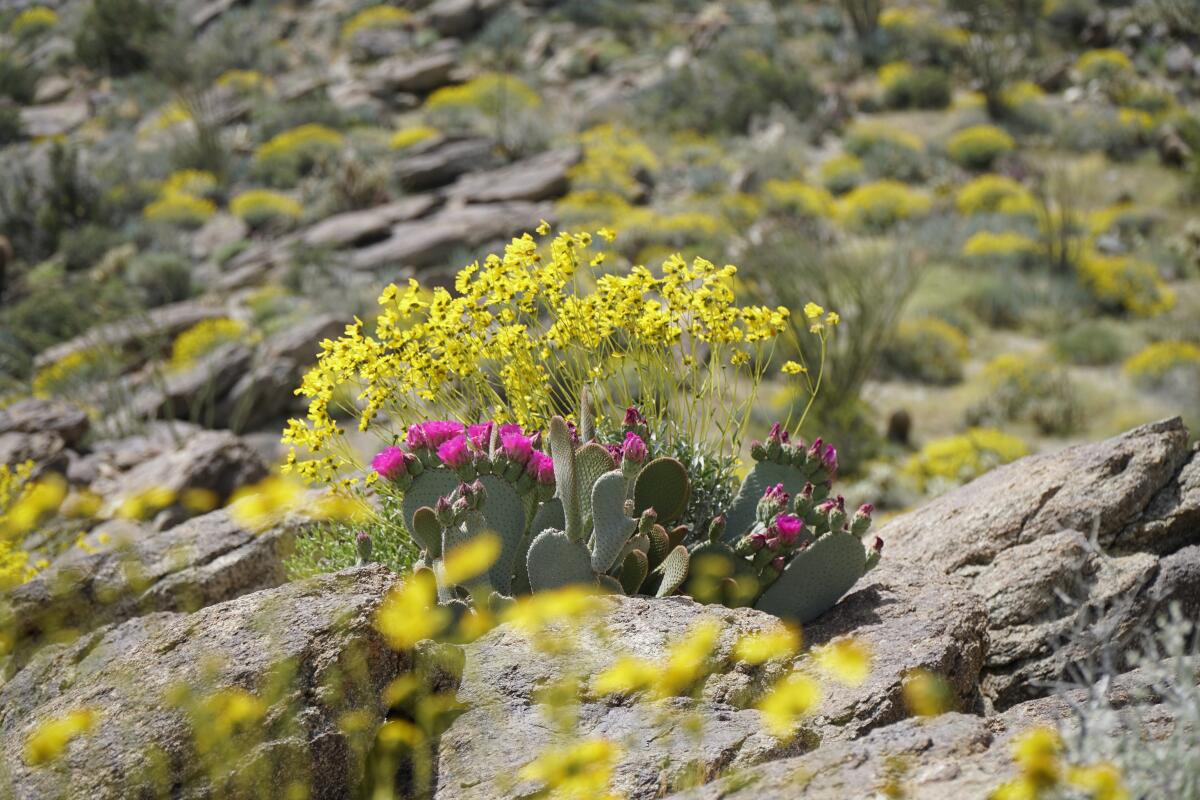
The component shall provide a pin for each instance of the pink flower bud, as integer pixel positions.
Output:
(633, 449)
(634, 418)
(829, 458)
(390, 463)
(788, 527)
(776, 494)
(777, 433)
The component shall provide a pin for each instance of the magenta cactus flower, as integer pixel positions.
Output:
(777, 433)
(787, 528)
(390, 463)
(541, 467)
(455, 452)
(516, 446)
(634, 418)
(481, 435)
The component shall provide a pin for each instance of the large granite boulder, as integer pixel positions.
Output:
(1092, 538)
(302, 666)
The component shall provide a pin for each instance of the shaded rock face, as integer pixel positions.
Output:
(206, 560)
(307, 650)
(1103, 524)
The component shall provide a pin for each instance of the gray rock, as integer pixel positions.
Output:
(211, 461)
(442, 162)
(455, 17)
(1178, 59)
(206, 560)
(371, 44)
(431, 241)
(45, 449)
(52, 88)
(408, 74)
(906, 623)
(196, 392)
(307, 650)
(222, 230)
(156, 327)
(540, 177)
(55, 119)
(34, 415)
(360, 228)
(1061, 544)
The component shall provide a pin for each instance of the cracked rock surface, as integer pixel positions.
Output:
(1095, 541)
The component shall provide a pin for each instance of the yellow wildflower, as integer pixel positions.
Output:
(846, 660)
(50, 738)
(789, 700)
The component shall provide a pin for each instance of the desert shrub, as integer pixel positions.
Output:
(1025, 388)
(118, 36)
(1124, 283)
(906, 86)
(1161, 363)
(925, 350)
(979, 146)
(964, 457)
(1118, 133)
(842, 173)
(11, 128)
(881, 204)
(67, 375)
(37, 205)
(746, 72)
(495, 104)
(204, 337)
(797, 198)
(17, 79)
(616, 160)
(288, 155)
(262, 208)
(1105, 65)
(995, 194)
(412, 136)
(180, 208)
(1006, 247)
(887, 151)
(160, 278)
(33, 22)
(1092, 343)
(333, 546)
(82, 248)
(375, 18)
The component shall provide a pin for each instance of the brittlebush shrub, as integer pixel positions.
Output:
(262, 208)
(798, 199)
(1027, 388)
(202, 338)
(842, 173)
(1093, 343)
(926, 350)
(906, 86)
(1124, 284)
(979, 146)
(995, 194)
(287, 156)
(958, 459)
(1008, 248)
(1163, 363)
(880, 205)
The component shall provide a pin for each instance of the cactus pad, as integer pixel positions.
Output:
(566, 476)
(427, 532)
(591, 461)
(556, 561)
(634, 570)
(674, 571)
(425, 490)
(612, 527)
(816, 578)
(504, 511)
(664, 486)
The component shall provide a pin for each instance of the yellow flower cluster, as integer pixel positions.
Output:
(798, 198)
(842, 173)
(1123, 283)
(1042, 773)
(67, 372)
(491, 93)
(866, 136)
(24, 504)
(891, 74)
(33, 21)
(964, 457)
(373, 18)
(881, 204)
(202, 338)
(995, 194)
(48, 741)
(259, 207)
(978, 146)
(180, 208)
(242, 80)
(407, 137)
(521, 335)
(986, 244)
(304, 143)
(1155, 362)
(1103, 64)
(579, 771)
(613, 156)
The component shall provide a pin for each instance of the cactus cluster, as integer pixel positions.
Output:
(605, 514)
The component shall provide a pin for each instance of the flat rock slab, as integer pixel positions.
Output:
(307, 651)
(431, 241)
(1059, 543)
(540, 177)
(55, 119)
(207, 560)
(905, 624)
(443, 161)
(36, 415)
(359, 228)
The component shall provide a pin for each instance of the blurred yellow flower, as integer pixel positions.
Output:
(789, 700)
(471, 559)
(410, 612)
(51, 737)
(757, 648)
(580, 771)
(846, 660)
